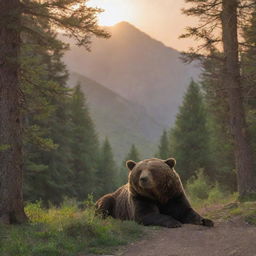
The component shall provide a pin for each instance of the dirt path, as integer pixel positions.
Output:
(232, 238)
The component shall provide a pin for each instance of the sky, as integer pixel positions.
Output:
(161, 19)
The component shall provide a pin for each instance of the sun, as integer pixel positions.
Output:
(110, 16)
(115, 11)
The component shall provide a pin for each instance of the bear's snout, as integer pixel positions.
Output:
(145, 179)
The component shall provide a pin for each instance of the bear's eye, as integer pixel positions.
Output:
(138, 171)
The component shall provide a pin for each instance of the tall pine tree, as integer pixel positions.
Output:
(18, 16)
(248, 64)
(190, 137)
(84, 147)
(221, 143)
(164, 146)
(134, 155)
(47, 119)
(107, 171)
(219, 23)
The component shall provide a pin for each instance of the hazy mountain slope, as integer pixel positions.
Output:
(123, 122)
(138, 68)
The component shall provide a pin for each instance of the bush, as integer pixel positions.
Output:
(201, 193)
(215, 194)
(197, 186)
(66, 231)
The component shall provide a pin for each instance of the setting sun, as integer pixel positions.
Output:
(114, 11)
(163, 21)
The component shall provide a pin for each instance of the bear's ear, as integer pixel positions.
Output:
(171, 162)
(130, 164)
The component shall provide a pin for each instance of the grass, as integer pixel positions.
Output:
(247, 210)
(65, 231)
(226, 207)
(214, 203)
(69, 231)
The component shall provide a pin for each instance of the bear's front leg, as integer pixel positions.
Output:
(157, 219)
(147, 213)
(192, 217)
(180, 209)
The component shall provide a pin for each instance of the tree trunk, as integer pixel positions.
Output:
(246, 175)
(11, 199)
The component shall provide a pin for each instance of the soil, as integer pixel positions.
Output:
(227, 238)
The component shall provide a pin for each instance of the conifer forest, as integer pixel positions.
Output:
(80, 97)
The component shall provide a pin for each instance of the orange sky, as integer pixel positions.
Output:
(161, 19)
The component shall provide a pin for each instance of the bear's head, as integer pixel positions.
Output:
(153, 178)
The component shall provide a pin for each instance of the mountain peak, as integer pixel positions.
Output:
(123, 24)
(137, 67)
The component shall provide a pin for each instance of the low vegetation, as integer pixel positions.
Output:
(218, 204)
(65, 231)
(203, 194)
(246, 211)
(70, 230)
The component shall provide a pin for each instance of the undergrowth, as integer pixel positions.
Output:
(203, 194)
(65, 231)
(244, 210)
(218, 204)
(70, 231)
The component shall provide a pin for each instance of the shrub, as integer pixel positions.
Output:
(197, 186)
(215, 194)
(66, 231)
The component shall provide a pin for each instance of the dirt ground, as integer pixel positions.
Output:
(230, 238)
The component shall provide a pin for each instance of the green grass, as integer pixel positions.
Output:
(69, 231)
(245, 209)
(226, 207)
(216, 204)
(65, 231)
(219, 200)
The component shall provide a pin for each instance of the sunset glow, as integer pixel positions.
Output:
(115, 11)
(160, 19)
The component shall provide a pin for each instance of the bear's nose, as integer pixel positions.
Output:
(143, 179)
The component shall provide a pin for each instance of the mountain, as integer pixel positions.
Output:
(124, 122)
(138, 68)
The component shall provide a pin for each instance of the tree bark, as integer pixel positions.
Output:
(246, 175)
(11, 164)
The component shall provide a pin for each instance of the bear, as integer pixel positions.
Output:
(154, 195)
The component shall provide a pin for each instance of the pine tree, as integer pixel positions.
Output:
(221, 143)
(107, 174)
(11, 199)
(164, 146)
(51, 183)
(218, 23)
(22, 17)
(190, 137)
(248, 60)
(84, 147)
(246, 176)
(248, 64)
(134, 155)
(46, 137)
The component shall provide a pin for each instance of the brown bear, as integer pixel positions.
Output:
(154, 195)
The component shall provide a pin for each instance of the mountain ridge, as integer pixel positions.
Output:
(123, 122)
(138, 68)
(123, 24)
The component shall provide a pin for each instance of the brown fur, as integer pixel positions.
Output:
(154, 195)
(121, 209)
(166, 182)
